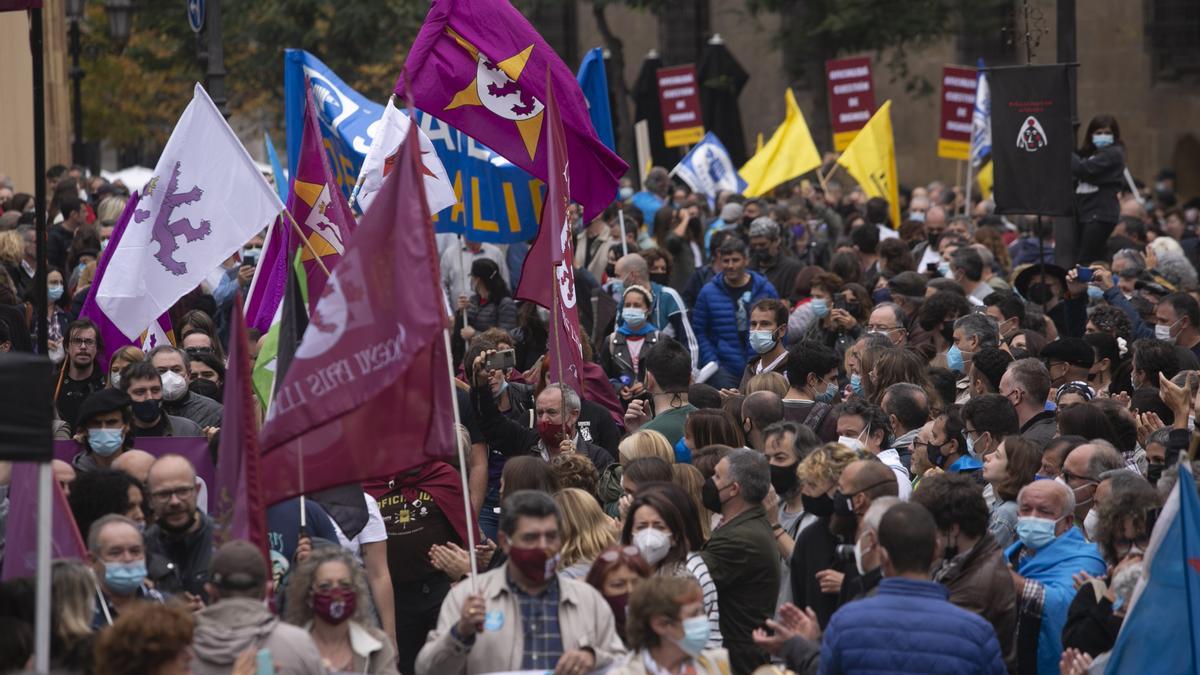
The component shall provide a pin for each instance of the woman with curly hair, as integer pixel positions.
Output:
(586, 531)
(574, 470)
(816, 545)
(149, 638)
(328, 596)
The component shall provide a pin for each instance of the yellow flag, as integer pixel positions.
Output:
(985, 178)
(790, 153)
(871, 159)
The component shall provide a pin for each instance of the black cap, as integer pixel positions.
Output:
(100, 402)
(1070, 350)
(238, 566)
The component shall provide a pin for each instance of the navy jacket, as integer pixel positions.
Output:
(721, 333)
(909, 626)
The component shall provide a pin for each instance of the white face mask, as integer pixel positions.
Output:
(852, 442)
(859, 552)
(654, 545)
(1163, 332)
(1091, 524)
(173, 386)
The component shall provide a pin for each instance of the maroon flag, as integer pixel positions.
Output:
(239, 511)
(368, 394)
(20, 539)
(14, 5)
(549, 275)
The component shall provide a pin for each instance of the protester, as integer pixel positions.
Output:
(104, 427)
(1012, 466)
(182, 534)
(668, 374)
(614, 574)
(862, 426)
(503, 633)
(328, 596)
(768, 326)
(73, 605)
(952, 639)
(107, 491)
(143, 384)
(586, 531)
(667, 631)
(174, 368)
(621, 353)
(79, 375)
(118, 555)
(237, 620)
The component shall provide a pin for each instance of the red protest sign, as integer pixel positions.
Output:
(958, 105)
(679, 98)
(851, 97)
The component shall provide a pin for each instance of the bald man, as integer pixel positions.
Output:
(863, 481)
(182, 533)
(1050, 551)
(1082, 470)
(64, 473)
(759, 411)
(136, 463)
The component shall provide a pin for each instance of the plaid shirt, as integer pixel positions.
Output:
(539, 621)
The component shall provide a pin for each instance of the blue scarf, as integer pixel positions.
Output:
(645, 330)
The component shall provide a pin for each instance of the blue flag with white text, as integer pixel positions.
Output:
(497, 201)
(708, 169)
(593, 80)
(1161, 632)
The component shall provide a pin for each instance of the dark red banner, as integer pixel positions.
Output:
(679, 98)
(851, 97)
(958, 106)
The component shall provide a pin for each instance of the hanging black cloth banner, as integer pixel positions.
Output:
(1032, 139)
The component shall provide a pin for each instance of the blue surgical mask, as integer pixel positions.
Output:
(856, 384)
(827, 395)
(971, 446)
(618, 288)
(954, 359)
(1094, 293)
(503, 388)
(105, 442)
(1102, 140)
(695, 635)
(633, 316)
(820, 307)
(56, 292)
(1036, 533)
(626, 192)
(944, 269)
(762, 341)
(124, 578)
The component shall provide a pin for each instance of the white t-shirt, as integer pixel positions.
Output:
(372, 532)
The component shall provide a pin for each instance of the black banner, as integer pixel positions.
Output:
(26, 414)
(1032, 140)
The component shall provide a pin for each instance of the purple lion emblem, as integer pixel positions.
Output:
(528, 103)
(165, 231)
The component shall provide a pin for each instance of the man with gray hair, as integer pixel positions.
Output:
(1026, 385)
(117, 556)
(741, 555)
(889, 320)
(972, 333)
(174, 367)
(770, 258)
(668, 313)
(1081, 473)
(1050, 552)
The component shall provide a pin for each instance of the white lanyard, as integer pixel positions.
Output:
(770, 368)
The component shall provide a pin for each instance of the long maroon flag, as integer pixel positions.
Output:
(549, 275)
(239, 511)
(14, 5)
(368, 394)
(20, 537)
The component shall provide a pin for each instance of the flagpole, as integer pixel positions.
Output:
(970, 182)
(304, 242)
(462, 461)
(466, 276)
(621, 219)
(554, 321)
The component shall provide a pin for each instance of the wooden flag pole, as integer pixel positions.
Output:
(462, 458)
(825, 179)
(304, 242)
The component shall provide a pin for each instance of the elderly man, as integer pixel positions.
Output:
(1049, 553)
(889, 320)
(524, 616)
(741, 555)
(771, 258)
(1026, 385)
(1082, 470)
(907, 408)
(174, 367)
(136, 463)
(972, 333)
(182, 534)
(117, 556)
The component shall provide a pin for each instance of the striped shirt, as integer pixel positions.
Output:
(696, 567)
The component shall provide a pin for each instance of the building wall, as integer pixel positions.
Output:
(1160, 121)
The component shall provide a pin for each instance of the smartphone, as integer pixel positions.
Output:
(1083, 274)
(501, 360)
(265, 664)
(839, 302)
(932, 268)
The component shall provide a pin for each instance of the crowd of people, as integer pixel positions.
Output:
(807, 436)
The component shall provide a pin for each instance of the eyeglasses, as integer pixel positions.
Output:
(1068, 476)
(165, 496)
(873, 328)
(82, 342)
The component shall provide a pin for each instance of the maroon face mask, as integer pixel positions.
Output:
(532, 562)
(334, 605)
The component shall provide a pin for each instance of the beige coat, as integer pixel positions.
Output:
(583, 615)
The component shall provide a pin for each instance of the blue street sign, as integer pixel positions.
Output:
(195, 12)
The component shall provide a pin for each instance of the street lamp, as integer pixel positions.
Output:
(120, 17)
(75, 16)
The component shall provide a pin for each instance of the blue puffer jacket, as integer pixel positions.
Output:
(716, 319)
(909, 626)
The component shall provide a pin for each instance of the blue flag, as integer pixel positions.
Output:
(981, 120)
(281, 182)
(1161, 632)
(593, 80)
(708, 169)
(497, 201)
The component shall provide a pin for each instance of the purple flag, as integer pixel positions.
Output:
(112, 336)
(194, 448)
(13, 5)
(368, 394)
(479, 66)
(238, 510)
(20, 537)
(548, 278)
(270, 277)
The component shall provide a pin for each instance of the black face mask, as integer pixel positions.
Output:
(661, 278)
(1154, 471)
(147, 411)
(1040, 293)
(710, 496)
(842, 505)
(784, 479)
(610, 270)
(821, 507)
(934, 240)
(206, 388)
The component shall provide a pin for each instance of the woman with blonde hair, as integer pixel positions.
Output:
(73, 594)
(12, 250)
(772, 381)
(691, 480)
(815, 579)
(667, 630)
(586, 532)
(327, 596)
(121, 358)
(639, 444)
